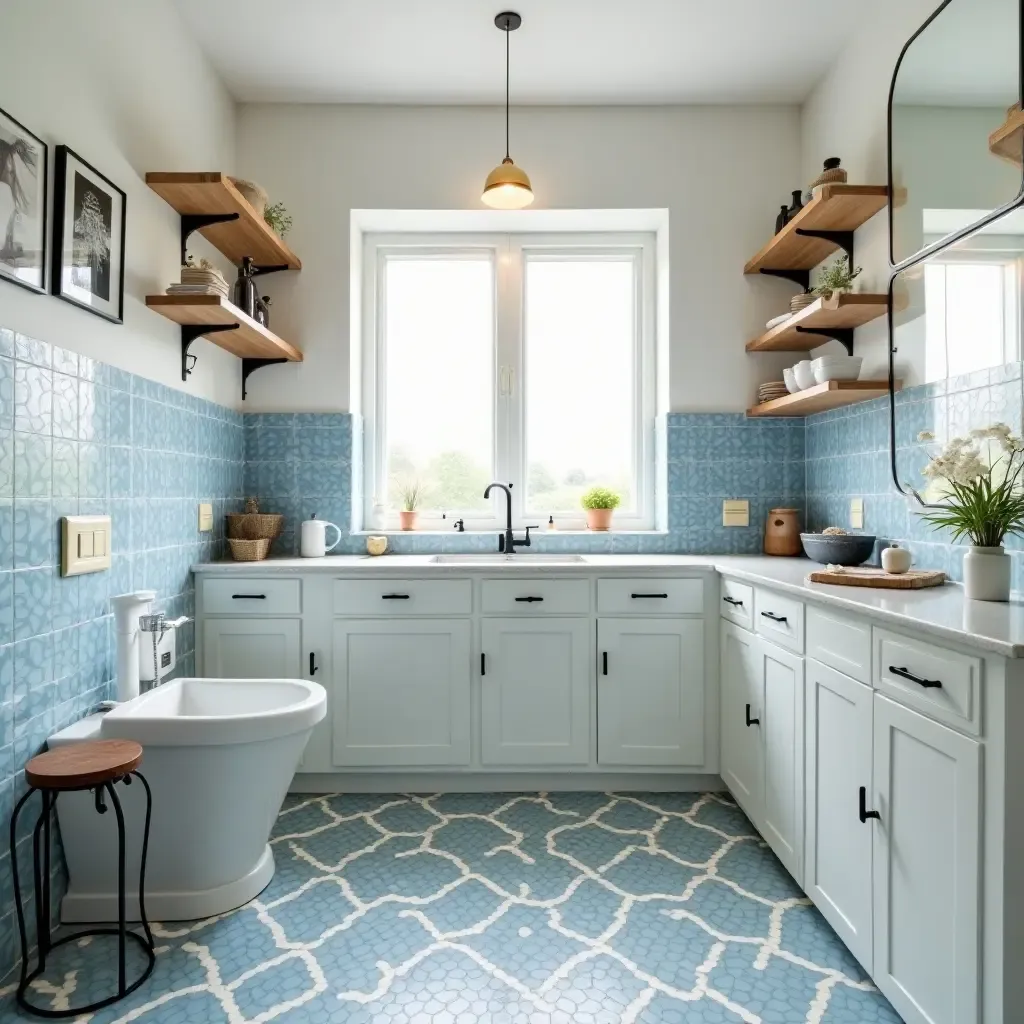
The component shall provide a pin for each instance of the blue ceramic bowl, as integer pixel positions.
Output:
(838, 549)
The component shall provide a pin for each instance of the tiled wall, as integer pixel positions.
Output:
(77, 436)
(848, 457)
(302, 463)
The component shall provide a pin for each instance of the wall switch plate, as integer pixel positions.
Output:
(205, 517)
(84, 544)
(857, 513)
(735, 513)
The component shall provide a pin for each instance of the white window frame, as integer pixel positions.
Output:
(509, 252)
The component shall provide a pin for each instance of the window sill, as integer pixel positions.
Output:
(534, 534)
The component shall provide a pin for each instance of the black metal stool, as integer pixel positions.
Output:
(97, 765)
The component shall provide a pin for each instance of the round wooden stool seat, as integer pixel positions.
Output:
(81, 765)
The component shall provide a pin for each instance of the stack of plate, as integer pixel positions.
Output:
(772, 390)
(200, 281)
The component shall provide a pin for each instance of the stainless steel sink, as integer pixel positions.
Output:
(518, 559)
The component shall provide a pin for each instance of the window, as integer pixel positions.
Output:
(518, 358)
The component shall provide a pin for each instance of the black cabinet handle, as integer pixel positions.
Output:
(751, 721)
(604, 663)
(394, 597)
(483, 664)
(733, 602)
(639, 596)
(774, 617)
(928, 684)
(313, 666)
(529, 600)
(248, 597)
(863, 807)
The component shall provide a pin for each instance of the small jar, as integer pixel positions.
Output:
(896, 560)
(782, 533)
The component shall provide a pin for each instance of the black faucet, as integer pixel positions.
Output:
(507, 542)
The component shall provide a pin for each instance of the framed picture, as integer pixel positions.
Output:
(22, 205)
(88, 236)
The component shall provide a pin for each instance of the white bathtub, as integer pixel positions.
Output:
(219, 755)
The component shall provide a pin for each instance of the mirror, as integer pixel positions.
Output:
(955, 125)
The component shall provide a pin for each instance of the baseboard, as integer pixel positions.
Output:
(503, 782)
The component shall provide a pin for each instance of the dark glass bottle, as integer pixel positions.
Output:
(780, 221)
(245, 294)
(798, 205)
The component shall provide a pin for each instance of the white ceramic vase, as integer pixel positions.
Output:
(987, 574)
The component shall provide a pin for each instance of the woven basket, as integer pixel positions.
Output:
(252, 193)
(801, 301)
(248, 550)
(253, 524)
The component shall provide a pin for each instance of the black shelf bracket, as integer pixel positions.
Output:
(844, 335)
(800, 277)
(270, 269)
(194, 221)
(251, 365)
(844, 239)
(189, 333)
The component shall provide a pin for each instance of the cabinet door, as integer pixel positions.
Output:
(650, 692)
(926, 866)
(782, 737)
(837, 860)
(401, 692)
(535, 691)
(742, 701)
(252, 648)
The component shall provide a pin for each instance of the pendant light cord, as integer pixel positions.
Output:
(507, 88)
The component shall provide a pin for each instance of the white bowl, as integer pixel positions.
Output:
(804, 374)
(836, 368)
(791, 385)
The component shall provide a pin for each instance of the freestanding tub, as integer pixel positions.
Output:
(219, 755)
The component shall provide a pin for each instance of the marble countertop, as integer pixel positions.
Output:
(942, 612)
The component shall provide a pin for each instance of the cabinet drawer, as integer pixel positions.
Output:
(650, 597)
(403, 597)
(779, 619)
(840, 642)
(943, 684)
(252, 596)
(737, 603)
(536, 597)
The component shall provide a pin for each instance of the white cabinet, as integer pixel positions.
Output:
(926, 866)
(838, 847)
(650, 692)
(742, 695)
(401, 692)
(535, 691)
(252, 648)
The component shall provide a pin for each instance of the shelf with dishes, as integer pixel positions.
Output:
(823, 318)
(1007, 141)
(821, 397)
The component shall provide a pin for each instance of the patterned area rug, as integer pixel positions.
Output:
(492, 909)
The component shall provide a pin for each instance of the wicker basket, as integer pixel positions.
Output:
(801, 301)
(832, 174)
(253, 194)
(253, 524)
(249, 550)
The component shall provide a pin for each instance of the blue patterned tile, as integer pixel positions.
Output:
(65, 405)
(33, 534)
(33, 399)
(31, 350)
(6, 394)
(92, 470)
(33, 471)
(32, 602)
(65, 469)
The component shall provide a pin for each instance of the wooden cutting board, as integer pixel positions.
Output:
(915, 579)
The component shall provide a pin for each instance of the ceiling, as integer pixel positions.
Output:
(568, 51)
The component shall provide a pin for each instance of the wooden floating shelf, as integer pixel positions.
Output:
(250, 340)
(1007, 141)
(821, 397)
(212, 193)
(840, 313)
(839, 208)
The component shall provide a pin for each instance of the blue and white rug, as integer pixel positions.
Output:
(579, 908)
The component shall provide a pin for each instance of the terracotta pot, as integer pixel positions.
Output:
(782, 532)
(407, 520)
(599, 519)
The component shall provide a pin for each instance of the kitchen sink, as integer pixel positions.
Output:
(518, 559)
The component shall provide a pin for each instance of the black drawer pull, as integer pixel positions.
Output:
(313, 667)
(394, 597)
(636, 596)
(529, 600)
(774, 617)
(733, 602)
(248, 597)
(604, 663)
(483, 664)
(863, 807)
(928, 684)
(751, 721)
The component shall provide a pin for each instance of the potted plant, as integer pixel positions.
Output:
(979, 480)
(836, 279)
(599, 503)
(411, 495)
(278, 219)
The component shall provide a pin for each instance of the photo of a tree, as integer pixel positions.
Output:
(22, 204)
(91, 238)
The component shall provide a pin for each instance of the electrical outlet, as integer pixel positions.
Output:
(205, 517)
(735, 513)
(857, 513)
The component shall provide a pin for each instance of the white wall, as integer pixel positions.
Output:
(123, 85)
(722, 172)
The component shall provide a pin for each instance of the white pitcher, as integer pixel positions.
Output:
(313, 538)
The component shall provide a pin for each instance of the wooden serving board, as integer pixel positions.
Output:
(914, 579)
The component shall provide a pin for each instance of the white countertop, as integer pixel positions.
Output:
(941, 612)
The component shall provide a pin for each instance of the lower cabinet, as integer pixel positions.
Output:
(650, 692)
(742, 697)
(535, 691)
(252, 648)
(401, 692)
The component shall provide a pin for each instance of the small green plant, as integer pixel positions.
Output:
(837, 277)
(412, 495)
(278, 218)
(600, 497)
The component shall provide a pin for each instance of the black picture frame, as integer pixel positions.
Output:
(108, 213)
(6, 269)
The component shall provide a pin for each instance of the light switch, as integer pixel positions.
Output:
(736, 513)
(85, 544)
(857, 513)
(205, 517)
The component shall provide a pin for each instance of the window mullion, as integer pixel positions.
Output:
(510, 375)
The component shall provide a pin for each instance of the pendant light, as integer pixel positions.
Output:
(507, 186)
